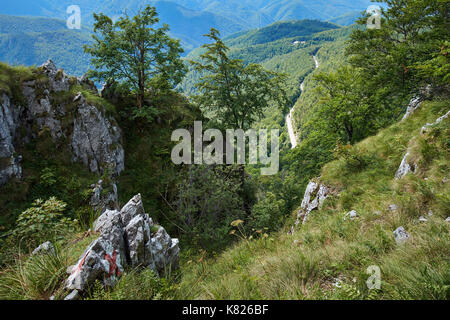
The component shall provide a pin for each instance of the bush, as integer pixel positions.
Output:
(43, 221)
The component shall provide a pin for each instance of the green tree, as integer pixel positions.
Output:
(136, 52)
(236, 95)
(411, 32)
(345, 108)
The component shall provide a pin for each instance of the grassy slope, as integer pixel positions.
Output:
(306, 264)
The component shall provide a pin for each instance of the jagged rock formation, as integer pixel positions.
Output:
(9, 161)
(417, 100)
(45, 248)
(405, 167)
(95, 142)
(127, 238)
(438, 120)
(48, 106)
(412, 106)
(401, 236)
(351, 215)
(315, 195)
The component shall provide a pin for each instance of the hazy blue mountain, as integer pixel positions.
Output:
(31, 41)
(190, 19)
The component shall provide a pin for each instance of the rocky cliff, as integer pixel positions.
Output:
(56, 105)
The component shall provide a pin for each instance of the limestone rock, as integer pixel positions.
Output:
(165, 251)
(58, 79)
(422, 219)
(74, 295)
(401, 236)
(95, 141)
(315, 195)
(125, 240)
(138, 235)
(100, 261)
(133, 208)
(107, 220)
(88, 84)
(393, 207)
(412, 106)
(438, 120)
(45, 248)
(405, 167)
(351, 215)
(9, 163)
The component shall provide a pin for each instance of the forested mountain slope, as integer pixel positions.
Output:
(31, 41)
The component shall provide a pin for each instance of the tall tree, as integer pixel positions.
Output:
(135, 52)
(234, 93)
(411, 33)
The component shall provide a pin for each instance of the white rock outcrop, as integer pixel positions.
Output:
(405, 167)
(95, 141)
(401, 236)
(126, 240)
(9, 161)
(315, 195)
(438, 120)
(94, 137)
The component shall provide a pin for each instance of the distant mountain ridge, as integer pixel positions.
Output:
(190, 19)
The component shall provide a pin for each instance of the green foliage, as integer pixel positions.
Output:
(268, 213)
(305, 265)
(235, 95)
(43, 221)
(131, 51)
(135, 285)
(410, 33)
(32, 40)
(208, 200)
(36, 277)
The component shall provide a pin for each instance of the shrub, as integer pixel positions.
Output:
(43, 221)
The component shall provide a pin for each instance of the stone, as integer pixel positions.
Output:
(58, 79)
(95, 141)
(404, 168)
(101, 260)
(165, 251)
(45, 248)
(401, 236)
(88, 84)
(107, 220)
(393, 207)
(438, 120)
(412, 106)
(125, 240)
(74, 295)
(133, 208)
(351, 215)
(422, 219)
(315, 195)
(138, 235)
(448, 219)
(9, 122)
